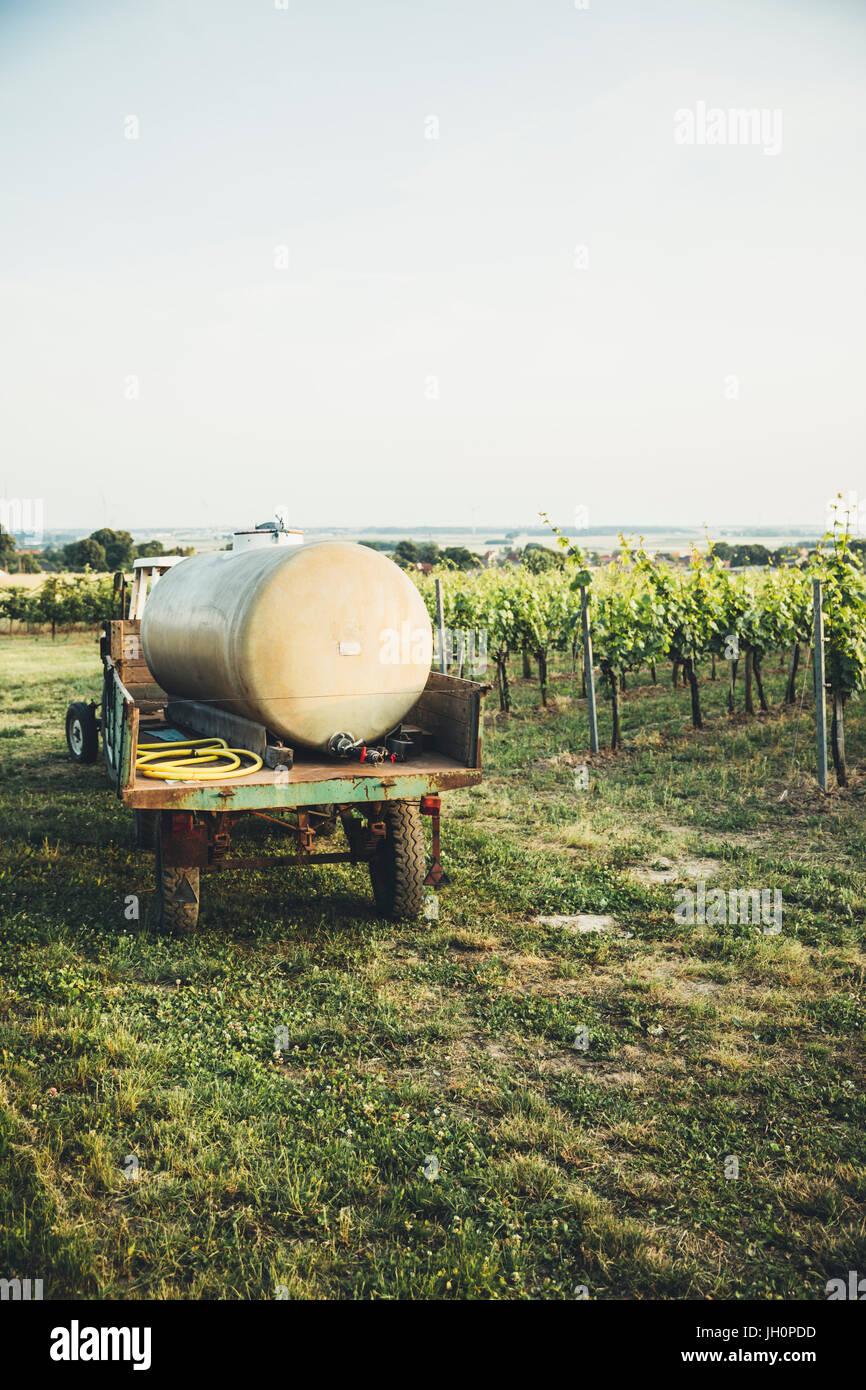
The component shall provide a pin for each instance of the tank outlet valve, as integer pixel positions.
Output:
(343, 746)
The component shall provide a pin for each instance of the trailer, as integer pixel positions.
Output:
(379, 809)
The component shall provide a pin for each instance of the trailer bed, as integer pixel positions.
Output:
(308, 782)
(449, 710)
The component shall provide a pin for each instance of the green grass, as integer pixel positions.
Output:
(152, 1144)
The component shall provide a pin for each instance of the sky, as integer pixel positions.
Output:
(429, 264)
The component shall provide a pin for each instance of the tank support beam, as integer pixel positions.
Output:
(431, 806)
(188, 842)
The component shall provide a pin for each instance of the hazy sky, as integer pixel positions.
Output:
(428, 262)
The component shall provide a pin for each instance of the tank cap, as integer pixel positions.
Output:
(265, 536)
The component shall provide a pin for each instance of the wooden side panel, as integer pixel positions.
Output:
(129, 747)
(450, 709)
(145, 690)
(119, 730)
(125, 639)
(126, 652)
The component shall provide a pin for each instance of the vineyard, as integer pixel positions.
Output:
(62, 603)
(703, 621)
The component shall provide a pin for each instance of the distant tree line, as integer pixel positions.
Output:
(11, 559)
(751, 553)
(104, 552)
(410, 554)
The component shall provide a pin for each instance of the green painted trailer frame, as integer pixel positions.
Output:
(345, 790)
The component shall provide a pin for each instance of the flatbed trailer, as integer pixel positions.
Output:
(188, 824)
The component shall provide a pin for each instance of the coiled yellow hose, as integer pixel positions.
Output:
(161, 760)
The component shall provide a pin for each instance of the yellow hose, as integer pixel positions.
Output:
(189, 768)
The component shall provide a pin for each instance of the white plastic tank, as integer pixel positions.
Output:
(310, 641)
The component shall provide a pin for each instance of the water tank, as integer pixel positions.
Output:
(311, 641)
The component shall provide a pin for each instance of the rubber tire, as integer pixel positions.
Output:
(145, 829)
(177, 894)
(398, 870)
(84, 745)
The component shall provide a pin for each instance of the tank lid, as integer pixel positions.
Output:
(267, 534)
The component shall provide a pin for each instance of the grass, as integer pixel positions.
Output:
(152, 1145)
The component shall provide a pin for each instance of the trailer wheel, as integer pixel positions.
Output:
(82, 734)
(398, 870)
(177, 893)
(145, 829)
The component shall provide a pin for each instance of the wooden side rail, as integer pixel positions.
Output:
(450, 709)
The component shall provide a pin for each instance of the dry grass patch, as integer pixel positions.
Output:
(469, 940)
